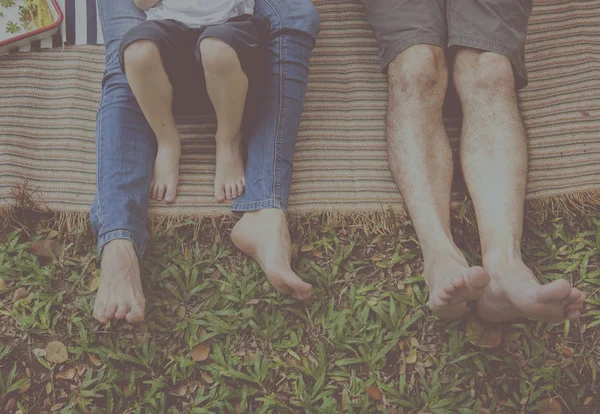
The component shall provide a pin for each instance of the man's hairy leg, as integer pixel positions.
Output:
(421, 162)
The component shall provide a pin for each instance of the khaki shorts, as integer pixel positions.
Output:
(498, 26)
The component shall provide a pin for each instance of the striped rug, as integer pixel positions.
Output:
(48, 103)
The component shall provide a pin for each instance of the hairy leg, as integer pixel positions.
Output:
(421, 162)
(494, 160)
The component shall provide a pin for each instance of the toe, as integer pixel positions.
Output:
(241, 188)
(234, 191)
(458, 283)
(554, 292)
(99, 311)
(301, 289)
(445, 296)
(477, 278)
(160, 194)
(576, 296)
(171, 193)
(122, 311)
(111, 310)
(228, 192)
(153, 191)
(450, 289)
(220, 194)
(136, 314)
(573, 315)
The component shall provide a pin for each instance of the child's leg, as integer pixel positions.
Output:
(154, 92)
(227, 87)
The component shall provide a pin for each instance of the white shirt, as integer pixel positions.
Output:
(197, 13)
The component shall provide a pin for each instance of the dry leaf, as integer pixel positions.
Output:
(24, 387)
(551, 362)
(374, 392)
(414, 342)
(344, 399)
(94, 360)
(67, 374)
(48, 388)
(317, 253)
(207, 378)
(57, 407)
(567, 352)
(411, 357)
(484, 335)
(180, 312)
(94, 283)
(56, 352)
(2, 283)
(179, 391)
(550, 406)
(186, 253)
(44, 248)
(200, 352)
(10, 404)
(307, 248)
(20, 293)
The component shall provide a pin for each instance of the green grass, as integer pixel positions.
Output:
(365, 343)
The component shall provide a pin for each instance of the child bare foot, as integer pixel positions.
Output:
(515, 292)
(230, 180)
(166, 171)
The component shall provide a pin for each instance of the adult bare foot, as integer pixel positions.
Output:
(120, 292)
(264, 236)
(452, 284)
(515, 292)
(166, 171)
(230, 180)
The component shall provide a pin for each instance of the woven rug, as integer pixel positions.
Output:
(48, 103)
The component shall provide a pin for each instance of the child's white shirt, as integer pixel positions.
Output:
(197, 13)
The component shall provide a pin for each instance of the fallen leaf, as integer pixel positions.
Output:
(179, 391)
(20, 293)
(94, 283)
(551, 362)
(484, 335)
(411, 358)
(44, 248)
(2, 283)
(344, 399)
(567, 352)
(67, 374)
(48, 388)
(587, 401)
(317, 253)
(374, 392)
(57, 407)
(414, 341)
(545, 337)
(56, 352)
(207, 378)
(25, 387)
(94, 360)
(180, 312)
(307, 248)
(10, 404)
(550, 406)
(200, 352)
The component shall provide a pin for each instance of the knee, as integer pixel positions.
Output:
(218, 57)
(483, 71)
(141, 56)
(298, 16)
(419, 70)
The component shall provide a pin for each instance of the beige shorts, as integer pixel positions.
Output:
(498, 26)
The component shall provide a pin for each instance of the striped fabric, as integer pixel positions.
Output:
(49, 99)
(81, 26)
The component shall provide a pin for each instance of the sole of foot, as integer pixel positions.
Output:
(264, 236)
(455, 285)
(230, 180)
(120, 294)
(517, 293)
(166, 172)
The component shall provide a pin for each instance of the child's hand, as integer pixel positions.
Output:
(145, 4)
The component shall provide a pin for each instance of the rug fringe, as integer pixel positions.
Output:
(384, 221)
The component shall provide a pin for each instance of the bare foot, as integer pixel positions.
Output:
(515, 292)
(264, 236)
(166, 171)
(452, 284)
(230, 180)
(120, 292)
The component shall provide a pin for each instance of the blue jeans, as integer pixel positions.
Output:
(126, 145)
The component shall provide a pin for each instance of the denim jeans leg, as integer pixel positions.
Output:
(271, 131)
(125, 143)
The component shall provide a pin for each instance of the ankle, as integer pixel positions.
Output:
(502, 258)
(119, 248)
